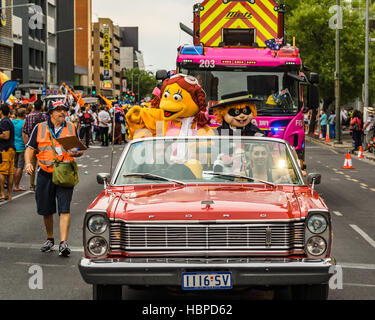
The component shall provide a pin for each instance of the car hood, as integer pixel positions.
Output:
(205, 203)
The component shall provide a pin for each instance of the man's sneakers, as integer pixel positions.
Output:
(48, 245)
(64, 250)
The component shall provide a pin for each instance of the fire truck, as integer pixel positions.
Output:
(242, 46)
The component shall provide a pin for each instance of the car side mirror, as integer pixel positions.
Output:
(161, 75)
(313, 179)
(103, 178)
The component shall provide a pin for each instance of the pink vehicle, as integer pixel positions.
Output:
(233, 53)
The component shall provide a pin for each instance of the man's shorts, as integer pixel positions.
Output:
(7, 164)
(46, 194)
(19, 160)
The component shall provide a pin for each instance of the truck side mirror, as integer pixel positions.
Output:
(161, 75)
(314, 78)
(313, 97)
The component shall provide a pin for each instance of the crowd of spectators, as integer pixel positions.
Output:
(95, 124)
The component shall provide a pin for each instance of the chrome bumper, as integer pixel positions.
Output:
(168, 272)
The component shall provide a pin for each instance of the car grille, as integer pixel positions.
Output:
(153, 237)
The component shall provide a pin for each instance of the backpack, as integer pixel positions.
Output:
(86, 118)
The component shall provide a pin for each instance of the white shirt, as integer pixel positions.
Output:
(103, 116)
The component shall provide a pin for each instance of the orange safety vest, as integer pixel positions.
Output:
(45, 155)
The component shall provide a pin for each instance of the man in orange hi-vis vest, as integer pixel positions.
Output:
(46, 191)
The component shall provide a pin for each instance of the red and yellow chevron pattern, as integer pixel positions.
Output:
(217, 15)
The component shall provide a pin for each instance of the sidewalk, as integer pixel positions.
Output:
(346, 145)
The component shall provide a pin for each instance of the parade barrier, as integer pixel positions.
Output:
(348, 164)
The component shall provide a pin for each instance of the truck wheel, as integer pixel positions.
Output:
(310, 292)
(107, 292)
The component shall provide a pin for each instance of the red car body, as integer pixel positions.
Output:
(228, 215)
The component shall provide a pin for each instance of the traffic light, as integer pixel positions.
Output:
(93, 91)
(132, 96)
(127, 95)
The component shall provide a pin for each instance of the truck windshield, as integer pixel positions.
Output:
(277, 92)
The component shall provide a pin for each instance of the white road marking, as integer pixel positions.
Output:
(13, 245)
(359, 285)
(16, 197)
(363, 234)
(44, 265)
(338, 213)
(357, 266)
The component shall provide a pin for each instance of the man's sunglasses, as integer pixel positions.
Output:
(236, 112)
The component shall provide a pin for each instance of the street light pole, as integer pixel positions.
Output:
(366, 98)
(337, 79)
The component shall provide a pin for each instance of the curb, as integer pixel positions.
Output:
(342, 149)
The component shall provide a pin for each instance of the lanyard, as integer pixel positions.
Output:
(59, 133)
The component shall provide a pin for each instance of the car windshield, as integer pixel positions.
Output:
(219, 160)
(277, 91)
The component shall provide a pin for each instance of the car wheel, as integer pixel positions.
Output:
(310, 292)
(107, 292)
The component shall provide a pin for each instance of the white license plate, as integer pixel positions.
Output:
(206, 280)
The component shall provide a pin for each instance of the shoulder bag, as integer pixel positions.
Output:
(65, 174)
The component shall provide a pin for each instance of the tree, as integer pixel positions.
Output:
(308, 22)
(147, 82)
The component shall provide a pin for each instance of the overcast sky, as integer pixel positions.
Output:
(158, 22)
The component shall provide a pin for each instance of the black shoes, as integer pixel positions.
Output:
(47, 246)
(64, 250)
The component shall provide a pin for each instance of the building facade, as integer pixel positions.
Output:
(83, 45)
(36, 25)
(106, 70)
(65, 36)
(6, 37)
(131, 56)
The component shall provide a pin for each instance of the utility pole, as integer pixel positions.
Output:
(366, 95)
(337, 76)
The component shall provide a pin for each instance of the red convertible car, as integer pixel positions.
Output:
(208, 213)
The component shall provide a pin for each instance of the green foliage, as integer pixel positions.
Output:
(308, 21)
(147, 82)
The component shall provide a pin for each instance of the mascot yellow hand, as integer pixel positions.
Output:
(181, 108)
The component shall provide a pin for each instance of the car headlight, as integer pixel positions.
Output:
(317, 224)
(316, 246)
(97, 224)
(97, 246)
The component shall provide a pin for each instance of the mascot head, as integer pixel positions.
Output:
(237, 109)
(181, 96)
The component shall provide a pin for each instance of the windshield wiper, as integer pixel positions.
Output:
(239, 176)
(151, 176)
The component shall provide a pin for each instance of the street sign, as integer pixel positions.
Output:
(106, 74)
(44, 91)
